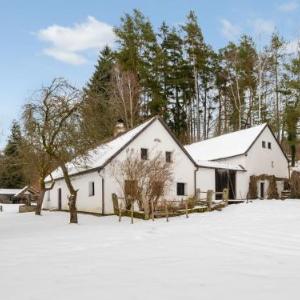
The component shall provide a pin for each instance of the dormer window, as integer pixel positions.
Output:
(144, 153)
(263, 144)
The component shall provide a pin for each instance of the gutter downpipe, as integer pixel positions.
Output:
(195, 180)
(102, 191)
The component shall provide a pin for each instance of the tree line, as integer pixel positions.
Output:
(200, 92)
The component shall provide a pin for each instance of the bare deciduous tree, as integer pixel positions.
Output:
(144, 181)
(53, 118)
(125, 93)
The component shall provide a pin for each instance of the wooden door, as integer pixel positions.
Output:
(59, 198)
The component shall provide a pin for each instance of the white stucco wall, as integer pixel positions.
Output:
(259, 159)
(205, 180)
(156, 139)
(84, 201)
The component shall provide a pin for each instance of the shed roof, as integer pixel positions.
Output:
(219, 165)
(9, 192)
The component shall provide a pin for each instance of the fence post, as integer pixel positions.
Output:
(152, 210)
(120, 212)
(225, 196)
(146, 209)
(167, 211)
(209, 199)
(132, 206)
(115, 203)
(186, 209)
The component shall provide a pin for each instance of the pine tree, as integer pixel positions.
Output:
(178, 87)
(98, 110)
(11, 172)
(292, 110)
(202, 59)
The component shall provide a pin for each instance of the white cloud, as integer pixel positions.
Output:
(288, 7)
(69, 44)
(262, 26)
(293, 46)
(229, 30)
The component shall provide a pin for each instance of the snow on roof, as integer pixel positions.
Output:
(218, 165)
(226, 145)
(9, 191)
(98, 157)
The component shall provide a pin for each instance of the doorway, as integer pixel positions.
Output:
(225, 179)
(59, 198)
(262, 190)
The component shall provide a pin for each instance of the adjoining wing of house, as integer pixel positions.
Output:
(255, 150)
(226, 145)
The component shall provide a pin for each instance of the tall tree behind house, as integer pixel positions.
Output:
(100, 125)
(11, 165)
(201, 57)
(199, 93)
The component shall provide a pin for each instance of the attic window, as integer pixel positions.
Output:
(263, 144)
(269, 145)
(144, 153)
(168, 156)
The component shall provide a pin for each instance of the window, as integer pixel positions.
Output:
(269, 145)
(48, 198)
(272, 164)
(168, 156)
(157, 188)
(180, 189)
(263, 144)
(131, 188)
(92, 188)
(144, 153)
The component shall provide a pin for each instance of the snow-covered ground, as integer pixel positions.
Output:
(247, 251)
(10, 208)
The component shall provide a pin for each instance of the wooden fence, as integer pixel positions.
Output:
(166, 209)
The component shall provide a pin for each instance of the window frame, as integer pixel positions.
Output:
(178, 189)
(144, 154)
(91, 188)
(130, 187)
(168, 156)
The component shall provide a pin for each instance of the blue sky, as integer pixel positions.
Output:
(41, 40)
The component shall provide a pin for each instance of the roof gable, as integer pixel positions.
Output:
(105, 153)
(227, 145)
(100, 156)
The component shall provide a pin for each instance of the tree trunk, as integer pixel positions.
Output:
(39, 203)
(73, 195)
(73, 208)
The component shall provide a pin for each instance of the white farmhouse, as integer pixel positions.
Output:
(255, 150)
(226, 161)
(94, 179)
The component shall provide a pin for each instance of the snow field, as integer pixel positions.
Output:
(247, 251)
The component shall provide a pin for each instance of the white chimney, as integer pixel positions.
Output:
(119, 128)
